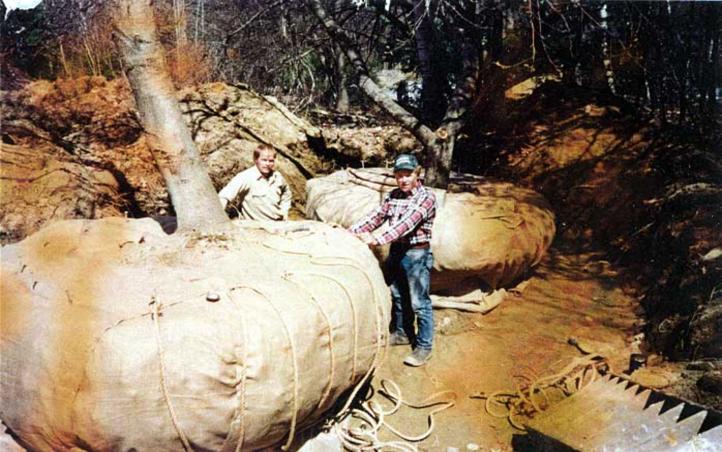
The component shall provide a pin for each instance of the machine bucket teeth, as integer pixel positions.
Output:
(670, 416)
(654, 408)
(639, 401)
(610, 415)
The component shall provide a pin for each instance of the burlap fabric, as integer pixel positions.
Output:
(116, 336)
(488, 231)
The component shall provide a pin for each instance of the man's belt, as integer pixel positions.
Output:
(414, 246)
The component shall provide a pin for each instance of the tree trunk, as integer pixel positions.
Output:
(410, 122)
(437, 174)
(179, 20)
(715, 112)
(535, 35)
(714, 65)
(496, 34)
(432, 98)
(199, 29)
(193, 196)
(439, 144)
(606, 48)
(342, 102)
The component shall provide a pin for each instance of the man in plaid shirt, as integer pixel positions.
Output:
(407, 215)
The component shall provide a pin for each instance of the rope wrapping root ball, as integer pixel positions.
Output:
(117, 336)
(485, 232)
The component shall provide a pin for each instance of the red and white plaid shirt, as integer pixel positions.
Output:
(410, 217)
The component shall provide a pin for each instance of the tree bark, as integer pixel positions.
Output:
(496, 34)
(714, 65)
(342, 102)
(179, 20)
(577, 50)
(437, 174)
(191, 191)
(606, 48)
(432, 98)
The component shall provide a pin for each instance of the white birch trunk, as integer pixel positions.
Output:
(606, 50)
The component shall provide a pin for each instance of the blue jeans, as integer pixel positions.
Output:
(409, 272)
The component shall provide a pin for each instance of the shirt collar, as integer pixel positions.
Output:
(419, 186)
(413, 192)
(258, 176)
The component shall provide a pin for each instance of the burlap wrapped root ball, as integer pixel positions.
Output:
(485, 231)
(116, 336)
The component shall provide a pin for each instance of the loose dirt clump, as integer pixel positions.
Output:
(368, 146)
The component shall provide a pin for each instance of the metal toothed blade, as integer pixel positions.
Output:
(674, 434)
(670, 416)
(609, 415)
(639, 401)
(635, 430)
(655, 408)
(709, 441)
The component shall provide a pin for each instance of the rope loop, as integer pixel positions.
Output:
(533, 395)
(371, 417)
(155, 315)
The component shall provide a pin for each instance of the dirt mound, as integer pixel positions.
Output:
(650, 195)
(45, 184)
(88, 111)
(94, 119)
(369, 146)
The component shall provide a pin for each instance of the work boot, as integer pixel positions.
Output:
(398, 339)
(418, 357)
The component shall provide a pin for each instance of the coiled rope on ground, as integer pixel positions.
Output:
(534, 395)
(371, 417)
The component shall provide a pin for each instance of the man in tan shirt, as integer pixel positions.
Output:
(263, 193)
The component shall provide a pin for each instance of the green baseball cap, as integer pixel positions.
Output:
(405, 162)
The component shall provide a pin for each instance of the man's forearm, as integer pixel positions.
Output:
(231, 190)
(286, 200)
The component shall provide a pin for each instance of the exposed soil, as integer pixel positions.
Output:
(633, 268)
(571, 295)
(648, 194)
(92, 121)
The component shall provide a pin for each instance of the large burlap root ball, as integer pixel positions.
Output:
(116, 336)
(488, 231)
